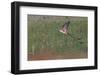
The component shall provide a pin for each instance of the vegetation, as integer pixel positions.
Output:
(43, 34)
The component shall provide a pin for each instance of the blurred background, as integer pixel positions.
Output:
(46, 42)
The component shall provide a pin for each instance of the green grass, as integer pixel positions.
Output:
(43, 34)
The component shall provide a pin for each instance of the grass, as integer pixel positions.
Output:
(43, 34)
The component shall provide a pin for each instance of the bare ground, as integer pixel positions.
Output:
(51, 55)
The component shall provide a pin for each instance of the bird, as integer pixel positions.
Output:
(64, 28)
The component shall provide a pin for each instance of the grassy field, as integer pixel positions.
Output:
(44, 37)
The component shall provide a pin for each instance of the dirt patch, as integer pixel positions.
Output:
(50, 55)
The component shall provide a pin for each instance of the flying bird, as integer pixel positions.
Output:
(64, 30)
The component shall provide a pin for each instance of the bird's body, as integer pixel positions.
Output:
(64, 28)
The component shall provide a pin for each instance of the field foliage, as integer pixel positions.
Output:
(43, 34)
